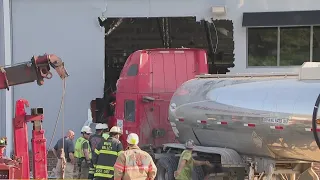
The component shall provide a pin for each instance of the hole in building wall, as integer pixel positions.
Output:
(126, 35)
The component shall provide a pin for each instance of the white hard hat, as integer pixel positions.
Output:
(115, 129)
(101, 126)
(86, 129)
(189, 144)
(133, 139)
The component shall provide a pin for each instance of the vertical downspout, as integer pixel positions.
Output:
(8, 62)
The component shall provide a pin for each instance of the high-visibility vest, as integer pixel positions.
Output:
(78, 150)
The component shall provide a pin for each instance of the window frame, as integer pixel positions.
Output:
(125, 110)
(278, 47)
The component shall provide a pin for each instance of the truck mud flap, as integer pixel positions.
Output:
(314, 121)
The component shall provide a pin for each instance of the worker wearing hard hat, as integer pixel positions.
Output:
(186, 162)
(83, 152)
(106, 154)
(134, 163)
(94, 140)
(3, 158)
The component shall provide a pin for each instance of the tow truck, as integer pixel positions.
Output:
(37, 70)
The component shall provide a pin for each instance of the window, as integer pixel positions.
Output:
(262, 46)
(129, 110)
(133, 70)
(316, 44)
(282, 46)
(294, 46)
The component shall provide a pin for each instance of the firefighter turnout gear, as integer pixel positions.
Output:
(94, 140)
(105, 156)
(134, 164)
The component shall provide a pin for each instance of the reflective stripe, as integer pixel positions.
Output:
(137, 168)
(104, 167)
(97, 151)
(91, 170)
(109, 152)
(103, 175)
(119, 153)
(119, 167)
(104, 171)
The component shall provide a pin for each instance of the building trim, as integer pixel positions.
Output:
(7, 27)
(281, 18)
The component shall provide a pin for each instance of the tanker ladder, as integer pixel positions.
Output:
(227, 163)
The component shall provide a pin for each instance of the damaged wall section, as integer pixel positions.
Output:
(126, 35)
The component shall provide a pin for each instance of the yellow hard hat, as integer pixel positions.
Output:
(133, 139)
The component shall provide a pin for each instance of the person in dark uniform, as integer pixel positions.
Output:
(106, 154)
(94, 140)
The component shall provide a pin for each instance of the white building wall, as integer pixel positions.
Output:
(202, 10)
(235, 9)
(70, 30)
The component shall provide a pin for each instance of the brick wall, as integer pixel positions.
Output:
(51, 162)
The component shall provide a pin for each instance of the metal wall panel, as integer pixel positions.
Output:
(2, 62)
(70, 30)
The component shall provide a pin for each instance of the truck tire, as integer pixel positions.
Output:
(166, 167)
(197, 173)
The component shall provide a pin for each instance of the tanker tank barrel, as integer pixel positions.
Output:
(269, 114)
(249, 75)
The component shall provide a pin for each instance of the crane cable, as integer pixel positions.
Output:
(61, 109)
(63, 157)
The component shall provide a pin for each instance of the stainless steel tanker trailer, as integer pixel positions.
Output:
(248, 125)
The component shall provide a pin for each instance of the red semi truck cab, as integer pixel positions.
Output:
(144, 89)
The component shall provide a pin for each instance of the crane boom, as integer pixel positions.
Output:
(35, 70)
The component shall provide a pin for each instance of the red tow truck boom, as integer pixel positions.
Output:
(37, 69)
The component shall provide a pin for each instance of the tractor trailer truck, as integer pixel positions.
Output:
(248, 125)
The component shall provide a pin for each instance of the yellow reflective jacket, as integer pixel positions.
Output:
(78, 149)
